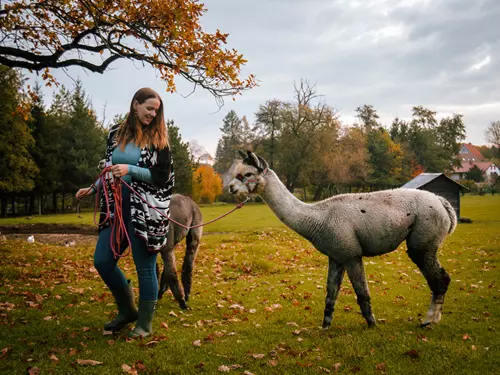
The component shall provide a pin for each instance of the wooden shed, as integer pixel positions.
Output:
(439, 184)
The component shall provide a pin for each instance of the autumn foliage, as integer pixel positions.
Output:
(166, 34)
(207, 184)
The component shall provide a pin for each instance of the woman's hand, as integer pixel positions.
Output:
(84, 192)
(119, 170)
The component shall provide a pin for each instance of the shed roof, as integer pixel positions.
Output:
(424, 178)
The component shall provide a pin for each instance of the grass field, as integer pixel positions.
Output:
(256, 307)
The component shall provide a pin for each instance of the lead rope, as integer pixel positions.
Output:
(117, 224)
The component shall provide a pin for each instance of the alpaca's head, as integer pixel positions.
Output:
(247, 176)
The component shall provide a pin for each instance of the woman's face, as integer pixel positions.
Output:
(147, 111)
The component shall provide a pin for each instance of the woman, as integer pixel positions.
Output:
(138, 152)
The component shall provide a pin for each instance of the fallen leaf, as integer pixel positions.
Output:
(473, 347)
(107, 333)
(86, 329)
(336, 366)
(197, 343)
(164, 325)
(33, 371)
(412, 354)
(258, 356)
(88, 362)
(248, 373)
(200, 365)
(381, 366)
(324, 369)
(5, 352)
(171, 313)
(272, 363)
(153, 342)
(292, 324)
(466, 337)
(54, 358)
(224, 368)
(297, 332)
(129, 370)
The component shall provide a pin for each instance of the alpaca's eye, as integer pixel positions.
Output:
(248, 174)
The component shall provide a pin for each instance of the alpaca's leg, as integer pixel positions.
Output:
(335, 276)
(437, 278)
(163, 284)
(170, 273)
(192, 243)
(356, 272)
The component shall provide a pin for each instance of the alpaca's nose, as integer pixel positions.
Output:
(232, 190)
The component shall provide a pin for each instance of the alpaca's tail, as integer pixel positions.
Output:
(451, 213)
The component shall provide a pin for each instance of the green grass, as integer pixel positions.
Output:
(251, 216)
(53, 304)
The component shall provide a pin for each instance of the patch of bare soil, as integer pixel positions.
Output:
(53, 234)
(69, 240)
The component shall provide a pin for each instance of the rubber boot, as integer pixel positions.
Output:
(127, 312)
(143, 326)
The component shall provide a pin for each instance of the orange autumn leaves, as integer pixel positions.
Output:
(207, 184)
(165, 34)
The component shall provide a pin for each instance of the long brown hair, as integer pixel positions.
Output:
(155, 134)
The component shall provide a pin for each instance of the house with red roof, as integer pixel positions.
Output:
(470, 156)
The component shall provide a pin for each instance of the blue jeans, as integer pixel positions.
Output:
(144, 260)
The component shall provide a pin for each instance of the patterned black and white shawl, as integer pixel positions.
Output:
(148, 224)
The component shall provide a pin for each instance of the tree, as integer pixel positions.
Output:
(430, 145)
(347, 160)
(17, 167)
(41, 35)
(385, 157)
(301, 122)
(207, 184)
(492, 135)
(451, 133)
(475, 174)
(182, 160)
(368, 117)
(268, 128)
(81, 141)
(46, 152)
(229, 143)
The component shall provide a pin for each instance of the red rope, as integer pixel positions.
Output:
(117, 224)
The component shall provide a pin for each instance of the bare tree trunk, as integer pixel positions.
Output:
(54, 202)
(4, 206)
(40, 204)
(13, 203)
(63, 202)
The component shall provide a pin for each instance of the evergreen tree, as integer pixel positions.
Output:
(82, 145)
(182, 161)
(17, 167)
(229, 143)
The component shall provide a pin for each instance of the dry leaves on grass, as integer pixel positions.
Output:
(224, 368)
(6, 352)
(88, 362)
(33, 371)
(129, 370)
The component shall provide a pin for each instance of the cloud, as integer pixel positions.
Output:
(392, 54)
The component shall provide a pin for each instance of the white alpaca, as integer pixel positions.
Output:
(350, 226)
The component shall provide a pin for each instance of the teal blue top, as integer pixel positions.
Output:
(130, 156)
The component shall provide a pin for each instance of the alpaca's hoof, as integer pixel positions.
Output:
(427, 324)
(372, 324)
(183, 305)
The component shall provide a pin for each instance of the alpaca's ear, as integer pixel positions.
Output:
(254, 160)
(263, 163)
(242, 154)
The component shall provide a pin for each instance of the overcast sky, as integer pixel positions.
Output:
(392, 54)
